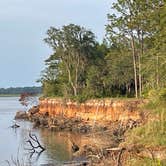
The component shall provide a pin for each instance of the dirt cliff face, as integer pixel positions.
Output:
(106, 109)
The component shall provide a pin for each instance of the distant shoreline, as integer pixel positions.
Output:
(9, 95)
(16, 91)
(15, 95)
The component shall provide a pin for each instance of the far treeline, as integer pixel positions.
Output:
(131, 60)
(20, 90)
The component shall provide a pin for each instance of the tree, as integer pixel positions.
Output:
(121, 26)
(73, 48)
(133, 21)
(119, 65)
(130, 62)
(97, 74)
(49, 77)
(155, 60)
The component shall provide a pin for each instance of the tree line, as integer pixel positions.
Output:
(20, 90)
(131, 60)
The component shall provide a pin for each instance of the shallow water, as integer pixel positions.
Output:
(13, 141)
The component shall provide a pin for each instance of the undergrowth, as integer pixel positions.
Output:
(153, 133)
(144, 162)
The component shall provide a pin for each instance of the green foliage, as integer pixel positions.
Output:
(154, 60)
(140, 26)
(131, 62)
(139, 161)
(73, 49)
(51, 89)
(162, 95)
(152, 133)
(157, 97)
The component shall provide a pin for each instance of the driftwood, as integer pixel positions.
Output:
(119, 155)
(35, 144)
(15, 126)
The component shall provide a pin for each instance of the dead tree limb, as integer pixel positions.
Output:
(119, 155)
(33, 139)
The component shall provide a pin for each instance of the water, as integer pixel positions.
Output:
(13, 141)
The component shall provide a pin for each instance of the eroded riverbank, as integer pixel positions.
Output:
(101, 130)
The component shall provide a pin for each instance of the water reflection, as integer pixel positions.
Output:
(13, 141)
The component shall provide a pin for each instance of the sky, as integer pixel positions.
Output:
(23, 26)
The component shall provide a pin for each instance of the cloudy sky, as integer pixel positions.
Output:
(23, 24)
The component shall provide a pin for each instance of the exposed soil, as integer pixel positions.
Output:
(101, 145)
(102, 138)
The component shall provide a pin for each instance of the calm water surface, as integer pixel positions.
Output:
(13, 141)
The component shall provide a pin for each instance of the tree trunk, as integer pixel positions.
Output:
(141, 51)
(76, 75)
(140, 77)
(71, 83)
(134, 65)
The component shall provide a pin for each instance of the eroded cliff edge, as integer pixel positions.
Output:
(102, 122)
(105, 110)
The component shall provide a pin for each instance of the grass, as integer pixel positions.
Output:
(152, 134)
(144, 162)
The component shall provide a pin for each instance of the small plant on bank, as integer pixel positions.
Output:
(28, 100)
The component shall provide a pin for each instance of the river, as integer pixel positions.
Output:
(13, 141)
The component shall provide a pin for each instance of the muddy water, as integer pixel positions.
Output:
(13, 141)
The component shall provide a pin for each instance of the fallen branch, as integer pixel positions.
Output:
(33, 138)
(119, 155)
(114, 149)
(15, 126)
